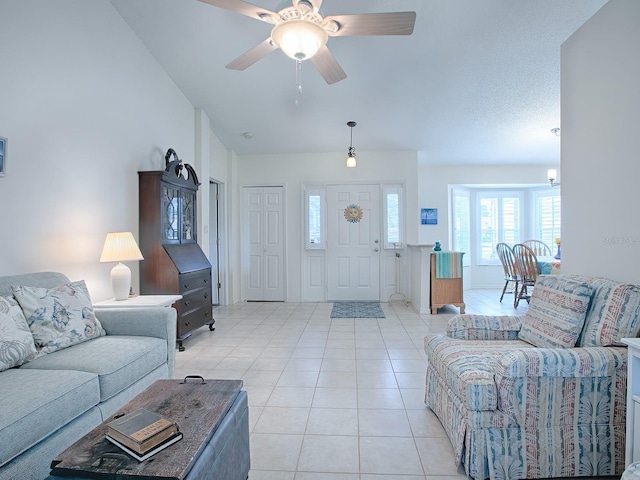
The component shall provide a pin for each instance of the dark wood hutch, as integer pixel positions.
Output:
(173, 260)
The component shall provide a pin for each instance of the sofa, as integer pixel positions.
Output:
(542, 394)
(73, 378)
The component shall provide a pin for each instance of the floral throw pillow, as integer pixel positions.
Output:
(16, 341)
(59, 317)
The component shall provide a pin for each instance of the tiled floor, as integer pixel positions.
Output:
(333, 399)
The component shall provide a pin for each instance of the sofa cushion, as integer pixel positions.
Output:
(16, 341)
(59, 317)
(614, 313)
(468, 367)
(36, 403)
(556, 312)
(118, 360)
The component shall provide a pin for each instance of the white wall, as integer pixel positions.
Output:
(600, 161)
(295, 170)
(84, 106)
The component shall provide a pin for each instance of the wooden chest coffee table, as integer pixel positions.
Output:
(211, 414)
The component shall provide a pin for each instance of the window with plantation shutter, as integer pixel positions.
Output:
(461, 226)
(499, 220)
(547, 215)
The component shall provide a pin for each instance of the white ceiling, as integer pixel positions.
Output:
(477, 82)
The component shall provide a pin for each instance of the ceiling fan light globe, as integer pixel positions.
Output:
(299, 39)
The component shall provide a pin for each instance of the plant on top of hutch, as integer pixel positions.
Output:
(173, 261)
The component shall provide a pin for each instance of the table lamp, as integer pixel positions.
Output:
(120, 247)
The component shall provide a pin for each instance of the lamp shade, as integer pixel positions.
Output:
(351, 161)
(120, 247)
(552, 174)
(299, 39)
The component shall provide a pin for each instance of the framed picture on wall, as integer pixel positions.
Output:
(429, 216)
(3, 156)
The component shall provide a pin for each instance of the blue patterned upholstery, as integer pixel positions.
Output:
(513, 410)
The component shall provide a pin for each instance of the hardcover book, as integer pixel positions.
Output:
(141, 430)
(141, 458)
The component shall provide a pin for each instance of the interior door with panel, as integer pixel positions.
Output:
(353, 242)
(263, 244)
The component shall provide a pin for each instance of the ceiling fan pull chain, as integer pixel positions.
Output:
(298, 82)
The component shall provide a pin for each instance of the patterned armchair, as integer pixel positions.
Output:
(540, 395)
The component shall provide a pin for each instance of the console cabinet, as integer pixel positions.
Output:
(445, 291)
(173, 261)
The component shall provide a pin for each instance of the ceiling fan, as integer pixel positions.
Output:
(302, 33)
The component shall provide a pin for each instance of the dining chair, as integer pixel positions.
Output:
(505, 254)
(540, 248)
(528, 269)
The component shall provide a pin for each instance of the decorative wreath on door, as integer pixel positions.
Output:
(353, 213)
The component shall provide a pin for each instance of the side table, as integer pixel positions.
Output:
(140, 301)
(632, 453)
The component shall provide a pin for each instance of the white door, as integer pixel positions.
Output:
(263, 244)
(353, 242)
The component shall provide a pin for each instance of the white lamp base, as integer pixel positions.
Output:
(121, 281)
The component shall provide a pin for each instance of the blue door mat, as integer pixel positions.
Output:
(357, 310)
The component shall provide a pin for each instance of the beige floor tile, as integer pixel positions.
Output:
(329, 453)
(380, 398)
(377, 380)
(338, 365)
(437, 456)
(383, 423)
(326, 476)
(335, 398)
(291, 397)
(413, 398)
(389, 455)
(333, 421)
(295, 378)
(304, 364)
(257, 396)
(270, 451)
(411, 379)
(270, 475)
(337, 379)
(282, 420)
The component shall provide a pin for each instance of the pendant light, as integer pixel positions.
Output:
(351, 153)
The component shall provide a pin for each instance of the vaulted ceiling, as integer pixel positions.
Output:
(478, 81)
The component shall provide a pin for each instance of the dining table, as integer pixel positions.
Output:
(549, 265)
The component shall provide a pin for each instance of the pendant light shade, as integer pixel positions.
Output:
(351, 153)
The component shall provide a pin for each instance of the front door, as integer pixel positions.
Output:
(263, 244)
(353, 242)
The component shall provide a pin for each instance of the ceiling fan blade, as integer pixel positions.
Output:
(393, 23)
(252, 56)
(243, 8)
(326, 64)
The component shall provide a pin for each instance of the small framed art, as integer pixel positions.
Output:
(429, 216)
(3, 156)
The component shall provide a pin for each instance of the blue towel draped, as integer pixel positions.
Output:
(449, 264)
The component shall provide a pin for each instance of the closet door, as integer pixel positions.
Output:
(263, 244)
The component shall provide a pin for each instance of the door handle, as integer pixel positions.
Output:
(376, 249)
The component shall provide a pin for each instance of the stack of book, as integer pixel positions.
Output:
(143, 433)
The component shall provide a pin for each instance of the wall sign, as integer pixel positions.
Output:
(429, 216)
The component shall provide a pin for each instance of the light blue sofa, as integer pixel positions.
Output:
(52, 401)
